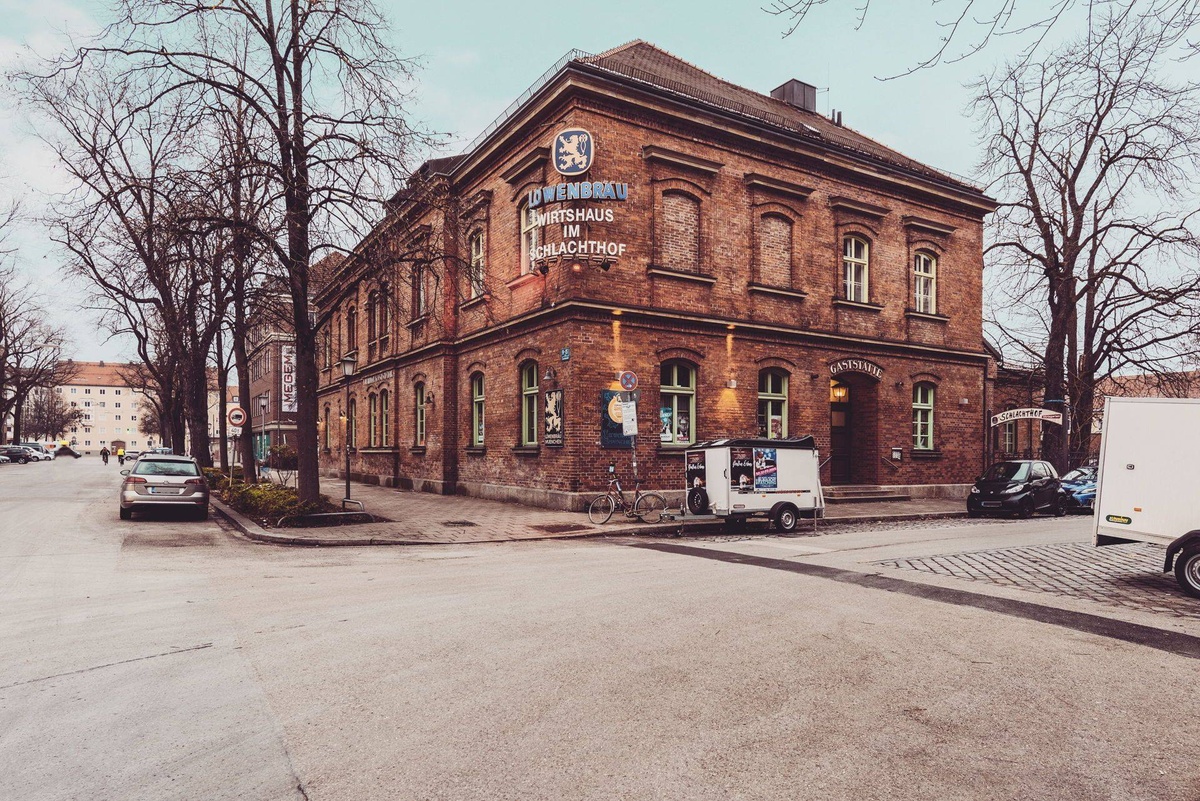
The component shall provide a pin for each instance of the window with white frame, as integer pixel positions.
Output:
(677, 395)
(922, 415)
(477, 410)
(529, 238)
(772, 404)
(419, 415)
(476, 267)
(925, 283)
(855, 269)
(530, 421)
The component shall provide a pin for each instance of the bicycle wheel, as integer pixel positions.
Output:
(650, 507)
(601, 509)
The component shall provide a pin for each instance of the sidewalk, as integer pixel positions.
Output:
(419, 518)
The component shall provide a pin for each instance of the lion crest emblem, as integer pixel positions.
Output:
(573, 151)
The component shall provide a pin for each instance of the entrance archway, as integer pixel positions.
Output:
(853, 429)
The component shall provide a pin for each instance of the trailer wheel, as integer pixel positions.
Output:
(786, 519)
(1187, 571)
(697, 501)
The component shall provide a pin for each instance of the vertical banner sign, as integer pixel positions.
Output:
(696, 469)
(666, 430)
(287, 388)
(611, 430)
(766, 470)
(741, 469)
(552, 434)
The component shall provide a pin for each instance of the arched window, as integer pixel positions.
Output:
(925, 283)
(372, 419)
(677, 397)
(383, 312)
(419, 414)
(477, 410)
(772, 404)
(476, 266)
(529, 403)
(352, 330)
(372, 302)
(679, 233)
(856, 269)
(922, 415)
(774, 250)
(352, 424)
(385, 409)
(529, 238)
(328, 435)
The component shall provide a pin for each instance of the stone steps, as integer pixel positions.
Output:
(861, 493)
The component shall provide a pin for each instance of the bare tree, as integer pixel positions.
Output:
(47, 416)
(969, 26)
(323, 81)
(1094, 245)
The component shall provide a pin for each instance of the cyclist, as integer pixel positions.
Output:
(104, 454)
(120, 456)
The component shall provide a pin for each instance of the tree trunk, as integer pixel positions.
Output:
(18, 413)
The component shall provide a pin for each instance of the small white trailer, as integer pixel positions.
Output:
(741, 478)
(1148, 479)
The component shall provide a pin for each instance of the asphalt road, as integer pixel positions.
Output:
(170, 659)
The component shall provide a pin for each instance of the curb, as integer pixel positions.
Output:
(253, 531)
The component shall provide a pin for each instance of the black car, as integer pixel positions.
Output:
(1018, 487)
(16, 453)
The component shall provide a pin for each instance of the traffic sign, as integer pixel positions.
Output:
(236, 416)
(628, 381)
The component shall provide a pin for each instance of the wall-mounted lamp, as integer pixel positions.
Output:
(576, 267)
(899, 385)
(813, 376)
(550, 375)
(964, 402)
(544, 268)
(839, 394)
(897, 454)
(428, 398)
(731, 383)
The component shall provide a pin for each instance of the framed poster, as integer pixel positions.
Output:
(612, 422)
(766, 470)
(741, 469)
(665, 418)
(696, 469)
(552, 432)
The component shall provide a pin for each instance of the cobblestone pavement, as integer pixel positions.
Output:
(1117, 575)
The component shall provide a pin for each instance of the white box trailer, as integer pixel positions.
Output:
(1148, 478)
(741, 478)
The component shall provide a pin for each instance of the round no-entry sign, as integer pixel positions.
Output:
(628, 381)
(236, 416)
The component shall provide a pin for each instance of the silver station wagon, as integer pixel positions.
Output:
(164, 482)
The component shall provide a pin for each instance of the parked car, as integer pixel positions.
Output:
(163, 481)
(40, 450)
(1018, 487)
(1080, 488)
(17, 454)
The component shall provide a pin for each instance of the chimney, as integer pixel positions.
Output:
(797, 93)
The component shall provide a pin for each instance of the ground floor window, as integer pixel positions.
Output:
(772, 404)
(922, 413)
(677, 391)
(419, 415)
(477, 410)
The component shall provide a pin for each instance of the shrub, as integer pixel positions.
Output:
(271, 501)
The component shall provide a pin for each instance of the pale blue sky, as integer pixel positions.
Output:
(476, 57)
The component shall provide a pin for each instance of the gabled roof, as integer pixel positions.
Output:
(644, 62)
(100, 374)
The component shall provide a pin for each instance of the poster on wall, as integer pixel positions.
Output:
(696, 469)
(741, 469)
(287, 386)
(553, 432)
(665, 434)
(683, 430)
(612, 422)
(776, 426)
(629, 418)
(766, 470)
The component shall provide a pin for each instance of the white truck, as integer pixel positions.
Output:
(1148, 480)
(741, 478)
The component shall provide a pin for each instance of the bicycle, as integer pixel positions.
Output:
(648, 507)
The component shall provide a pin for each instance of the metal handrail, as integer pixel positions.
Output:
(890, 463)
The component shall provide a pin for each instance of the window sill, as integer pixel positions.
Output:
(698, 278)
(926, 455)
(781, 291)
(673, 450)
(933, 318)
(417, 450)
(475, 450)
(526, 450)
(475, 301)
(379, 449)
(874, 308)
(418, 321)
(521, 280)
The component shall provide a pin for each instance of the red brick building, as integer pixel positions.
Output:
(760, 267)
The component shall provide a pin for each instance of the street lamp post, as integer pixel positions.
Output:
(262, 416)
(348, 362)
